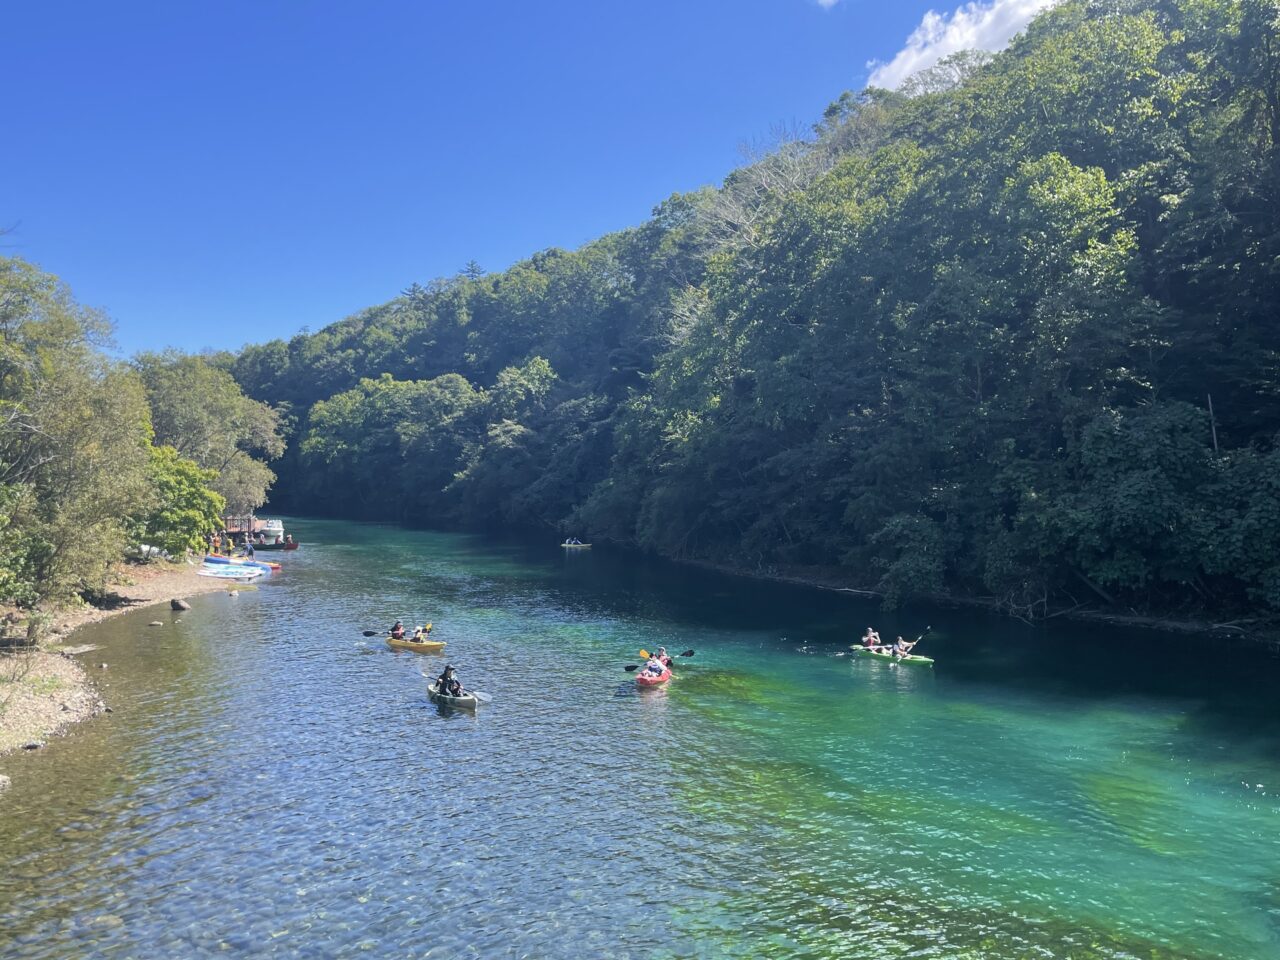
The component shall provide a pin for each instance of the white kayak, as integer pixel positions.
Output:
(235, 572)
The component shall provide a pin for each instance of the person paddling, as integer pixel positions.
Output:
(421, 634)
(871, 639)
(901, 648)
(397, 631)
(448, 683)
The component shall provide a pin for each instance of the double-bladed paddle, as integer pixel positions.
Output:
(480, 696)
(375, 633)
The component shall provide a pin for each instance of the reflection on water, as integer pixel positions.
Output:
(272, 782)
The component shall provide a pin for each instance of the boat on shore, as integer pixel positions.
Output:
(235, 572)
(219, 559)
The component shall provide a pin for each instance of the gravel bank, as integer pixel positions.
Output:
(43, 692)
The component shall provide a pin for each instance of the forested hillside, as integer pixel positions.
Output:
(1009, 331)
(98, 457)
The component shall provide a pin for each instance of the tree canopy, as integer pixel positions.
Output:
(963, 337)
(80, 479)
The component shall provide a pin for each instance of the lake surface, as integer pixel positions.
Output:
(273, 783)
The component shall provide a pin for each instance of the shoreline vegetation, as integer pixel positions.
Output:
(47, 689)
(1263, 632)
(979, 336)
(102, 460)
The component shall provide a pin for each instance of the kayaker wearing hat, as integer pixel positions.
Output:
(448, 683)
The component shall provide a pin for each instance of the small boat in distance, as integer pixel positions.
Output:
(575, 545)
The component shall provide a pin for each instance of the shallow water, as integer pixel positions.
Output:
(271, 782)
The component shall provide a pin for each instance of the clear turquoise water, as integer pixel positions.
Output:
(273, 783)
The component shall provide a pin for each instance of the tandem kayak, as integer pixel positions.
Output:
(646, 679)
(860, 651)
(466, 702)
(576, 546)
(417, 646)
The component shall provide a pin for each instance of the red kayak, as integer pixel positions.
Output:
(646, 679)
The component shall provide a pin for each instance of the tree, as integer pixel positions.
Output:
(200, 411)
(185, 510)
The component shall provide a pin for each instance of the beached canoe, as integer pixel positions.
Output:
(861, 651)
(464, 702)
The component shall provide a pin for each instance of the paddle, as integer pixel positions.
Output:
(645, 653)
(375, 633)
(480, 696)
(911, 652)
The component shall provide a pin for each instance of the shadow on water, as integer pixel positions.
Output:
(273, 782)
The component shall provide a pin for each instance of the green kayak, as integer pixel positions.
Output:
(861, 651)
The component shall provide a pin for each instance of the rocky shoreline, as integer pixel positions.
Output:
(47, 690)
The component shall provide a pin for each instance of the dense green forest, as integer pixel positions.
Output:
(99, 457)
(1008, 331)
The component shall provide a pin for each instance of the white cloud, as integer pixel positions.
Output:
(974, 26)
(827, 4)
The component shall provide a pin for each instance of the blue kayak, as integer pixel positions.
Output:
(240, 562)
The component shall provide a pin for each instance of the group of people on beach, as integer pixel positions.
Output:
(226, 542)
(899, 648)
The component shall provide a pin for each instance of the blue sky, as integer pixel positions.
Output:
(211, 174)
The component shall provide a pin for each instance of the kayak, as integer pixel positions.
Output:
(860, 651)
(576, 546)
(417, 646)
(230, 572)
(466, 701)
(276, 546)
(646, 679)
(216, 558)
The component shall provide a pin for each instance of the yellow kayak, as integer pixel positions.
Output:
(417, 646)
